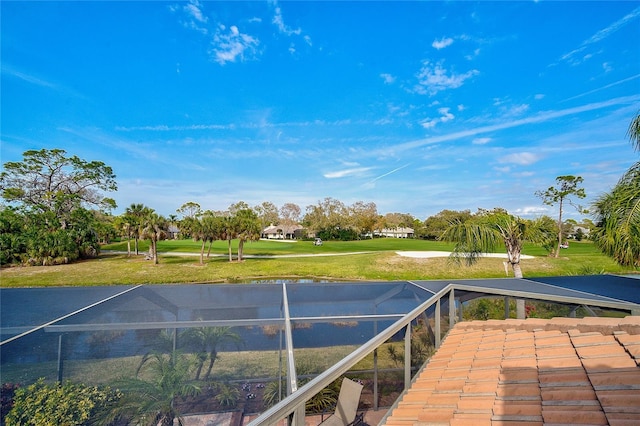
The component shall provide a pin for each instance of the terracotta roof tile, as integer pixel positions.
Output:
(529, 372)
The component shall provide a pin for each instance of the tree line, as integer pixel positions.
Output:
(55, 211)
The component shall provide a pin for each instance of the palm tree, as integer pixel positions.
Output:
(486, 230)
(230, 232)
(151, 401)
(248, 228)
(193, 226)
(153, 226)
(634, 132)
(135, 213)
(618, 213)
(207, 340)
(123, 223)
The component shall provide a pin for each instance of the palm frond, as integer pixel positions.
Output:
(618, 218)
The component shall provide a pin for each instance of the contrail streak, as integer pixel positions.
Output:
(388, 173)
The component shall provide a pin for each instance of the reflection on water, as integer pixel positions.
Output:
(283, 280)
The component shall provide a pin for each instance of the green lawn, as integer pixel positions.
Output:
(377, 261)
(264, 247)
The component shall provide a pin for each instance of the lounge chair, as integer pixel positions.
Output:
(346, 412)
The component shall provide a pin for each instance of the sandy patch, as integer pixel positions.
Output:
(430, 254)
(214, 419)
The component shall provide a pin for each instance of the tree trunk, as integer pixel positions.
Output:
(559, 230)
(212, 358)
(517, 271)
(135, 243)
(202, 252)
(209, 249)
(154, 248)
(201, 360)
(240, 249)
(230, 255)
(513, 255)
(128, 247)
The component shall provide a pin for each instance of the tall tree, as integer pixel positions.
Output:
(49, 180)
(248, 228)
(329, 215)
(154, 227)
(267, 213)
(136, 214)
(364, 217)
(230, 231)
(189, 209)
(51, 193)
(124, 225)
(206, 228)
(568, 186)
(435, 225)
(486, 230)
(290, 215)
(617, 213)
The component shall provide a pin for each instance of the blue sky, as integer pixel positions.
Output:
(415, 106)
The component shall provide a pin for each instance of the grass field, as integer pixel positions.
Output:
(377, 261)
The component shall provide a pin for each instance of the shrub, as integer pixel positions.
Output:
(228, 395)
(41, 404)
(6, 397)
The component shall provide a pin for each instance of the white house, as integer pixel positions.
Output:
(400, 232)
(282, 232)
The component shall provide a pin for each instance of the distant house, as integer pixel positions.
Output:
(400, 232)
(173, 232)
(580, 230)
(282, 232)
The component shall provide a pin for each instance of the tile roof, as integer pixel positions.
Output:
(529, 372)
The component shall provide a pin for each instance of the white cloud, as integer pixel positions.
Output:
(38, 81)
(279, 23)
(476, 53)
(388, 78)
(517, 110)
(481, 141)
(433, 78)
(633, 77)
(520, 158)
(531, 211)
(165, 128)
(505, 169)
(533, 119)
(573, 57)
(231, 45)
(429, 123)
(194, 18)
(193, 9)
(346, 172)
(442, 43)
(26, 77)
(445, 116)
(607, 67)
(538, 96)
